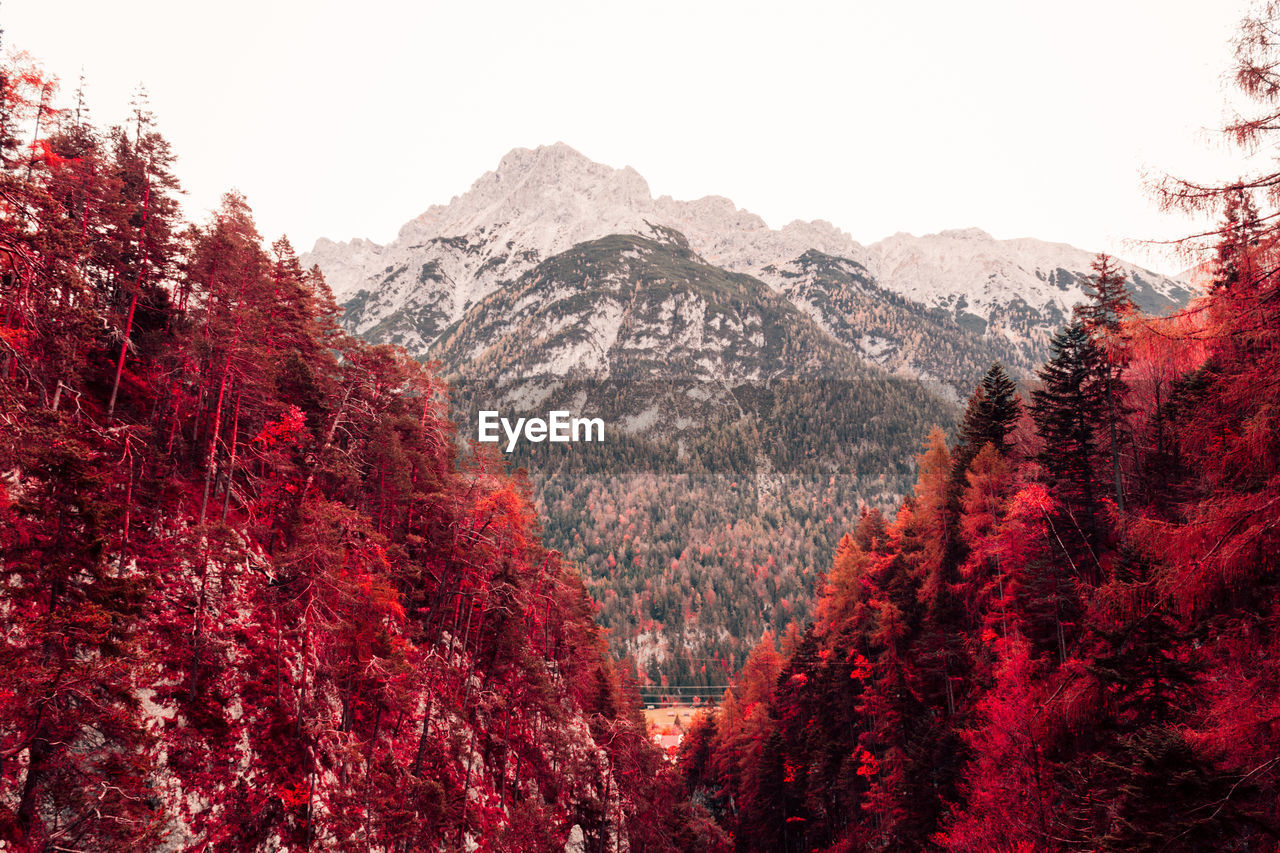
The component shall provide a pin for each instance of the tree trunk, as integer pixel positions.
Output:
(213, 439)
(231, 462)
(137, 289)
(124, 348)
(29, 822)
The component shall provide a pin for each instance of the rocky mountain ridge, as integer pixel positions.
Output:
(540, 202)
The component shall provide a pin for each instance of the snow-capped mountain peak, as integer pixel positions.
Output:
(1010, 285)
(540, 202)
(546, 198)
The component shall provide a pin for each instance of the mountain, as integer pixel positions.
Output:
(640, 308)
(1005, 297)
(1021, 290)
(885, 328)
(740, 434)
(758, 385)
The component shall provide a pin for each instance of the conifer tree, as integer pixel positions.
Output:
(989, 417)
(77, 756)
(1107, 302)
(142, 221)
(1160, 793)
(1240, 234)
(1067, 409)
(1104, 313)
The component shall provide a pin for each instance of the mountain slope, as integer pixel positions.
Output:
(739, 435)
(1020, 290)
(639, 308)
(886, 328)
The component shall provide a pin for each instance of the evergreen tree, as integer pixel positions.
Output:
(1067, 409)
(1107, 302)
(77, 761)
(1104, 312)
(989, 417)
(992, 412)
(1239, 236)
(1159, 793)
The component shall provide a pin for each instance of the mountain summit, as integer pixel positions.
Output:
(893, 303)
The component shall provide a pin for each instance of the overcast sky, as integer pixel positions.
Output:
(348, 118)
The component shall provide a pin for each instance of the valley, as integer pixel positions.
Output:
(760, 387)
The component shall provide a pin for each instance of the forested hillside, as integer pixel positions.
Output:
(739, 436)
(250, 601)
(1066, 637)
(759, 385)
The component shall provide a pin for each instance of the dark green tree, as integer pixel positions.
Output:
(1240, 234)
(990, 416)
(1160, 793)
(1103, 314)
(1067, 409)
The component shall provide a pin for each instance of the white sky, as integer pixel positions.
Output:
(346, 119)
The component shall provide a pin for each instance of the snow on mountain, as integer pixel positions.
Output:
(637, 309)
(539, 202)
(536, 204)
(345, 264)
(546, 199)
(899, 334)
(1017, 288)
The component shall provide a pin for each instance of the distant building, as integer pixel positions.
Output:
(668, 743)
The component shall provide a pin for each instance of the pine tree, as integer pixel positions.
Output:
(1240, 234)
(989, 417)
(1104, 313)
(1067, 409)
(1159, 793)
(142, 218)
(1011, 798)
(77, 755)
(986, 571)
(1107, 302)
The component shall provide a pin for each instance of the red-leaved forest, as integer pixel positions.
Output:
(251, 597)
